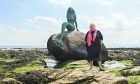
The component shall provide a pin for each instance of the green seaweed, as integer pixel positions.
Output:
(133, 79)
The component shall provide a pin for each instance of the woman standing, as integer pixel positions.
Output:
(94, 41)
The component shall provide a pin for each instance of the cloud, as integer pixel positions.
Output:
(1, 28)
(83, 22)
(118, 30)
(114, 22)
(129, 23)
(103, 2)
(125, 32)
(36, 31)
(64, 3)
(102, 23)
(121, 39)
(43, 22)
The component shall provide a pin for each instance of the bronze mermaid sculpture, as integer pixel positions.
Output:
(70, 25)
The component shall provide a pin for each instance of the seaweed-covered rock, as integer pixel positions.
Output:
(37, 77)
(132, 71)
(137, 62)
(10, 81)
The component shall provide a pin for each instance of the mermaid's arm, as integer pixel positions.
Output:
(76, 25)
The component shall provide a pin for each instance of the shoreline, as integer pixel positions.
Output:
(34, 48)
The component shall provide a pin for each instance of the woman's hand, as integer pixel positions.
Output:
(101, 42)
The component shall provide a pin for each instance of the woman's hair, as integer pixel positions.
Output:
(70, 12)
(92, 25)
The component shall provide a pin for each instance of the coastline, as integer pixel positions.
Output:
(26, 63)
(34, 48)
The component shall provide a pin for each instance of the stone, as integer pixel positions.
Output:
(74, 47)
(136, 62)
(37, 77)
(132, 71)
(121, 80)
(10, 81)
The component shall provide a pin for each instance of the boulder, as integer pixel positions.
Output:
(136, 62)
(74, 47)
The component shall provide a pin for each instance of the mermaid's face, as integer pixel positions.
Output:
(71, 14)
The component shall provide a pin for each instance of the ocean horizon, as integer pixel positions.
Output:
(41, 46)
(22, 46)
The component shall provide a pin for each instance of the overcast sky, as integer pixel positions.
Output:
(32, 22)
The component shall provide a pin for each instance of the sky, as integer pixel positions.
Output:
(32, 22)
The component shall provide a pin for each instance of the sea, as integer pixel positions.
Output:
(20, 47)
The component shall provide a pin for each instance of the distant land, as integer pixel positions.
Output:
(12, 47)
(45, 46)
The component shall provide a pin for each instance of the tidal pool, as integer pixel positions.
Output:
(50, 62)
(114, 64)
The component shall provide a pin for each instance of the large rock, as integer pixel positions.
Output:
(74, 47)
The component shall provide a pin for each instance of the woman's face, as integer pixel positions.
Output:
(92, 27)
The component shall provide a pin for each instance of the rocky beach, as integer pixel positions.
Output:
(27, 66)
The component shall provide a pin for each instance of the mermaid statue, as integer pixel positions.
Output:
(70, 25)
